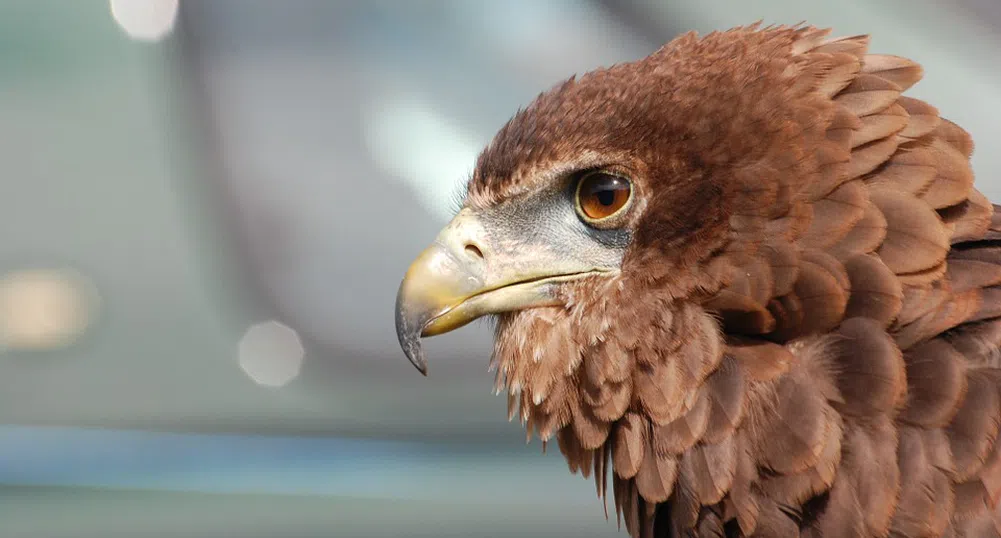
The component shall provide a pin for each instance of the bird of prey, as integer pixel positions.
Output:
(748, 278)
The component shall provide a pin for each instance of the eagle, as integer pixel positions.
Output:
(750, 280)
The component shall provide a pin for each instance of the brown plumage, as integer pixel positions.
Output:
(802, 336)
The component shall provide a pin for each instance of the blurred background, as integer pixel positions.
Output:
(205, 211)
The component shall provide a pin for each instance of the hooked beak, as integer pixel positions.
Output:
(466, 274)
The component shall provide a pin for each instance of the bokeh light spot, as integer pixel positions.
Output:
(271, 353)
(145, 20)
(44, 308)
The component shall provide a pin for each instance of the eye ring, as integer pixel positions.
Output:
(603, 198)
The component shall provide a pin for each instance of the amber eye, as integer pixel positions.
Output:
(601, 196)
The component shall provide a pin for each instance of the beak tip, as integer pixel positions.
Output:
(413, 352)
(416, 356)
(408, 333)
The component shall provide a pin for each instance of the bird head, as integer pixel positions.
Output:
(714, 272)
(601, 217)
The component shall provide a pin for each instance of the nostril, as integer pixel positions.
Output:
(474, 252)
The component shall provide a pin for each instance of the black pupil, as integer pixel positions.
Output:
(604, 188)
(606, 197)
